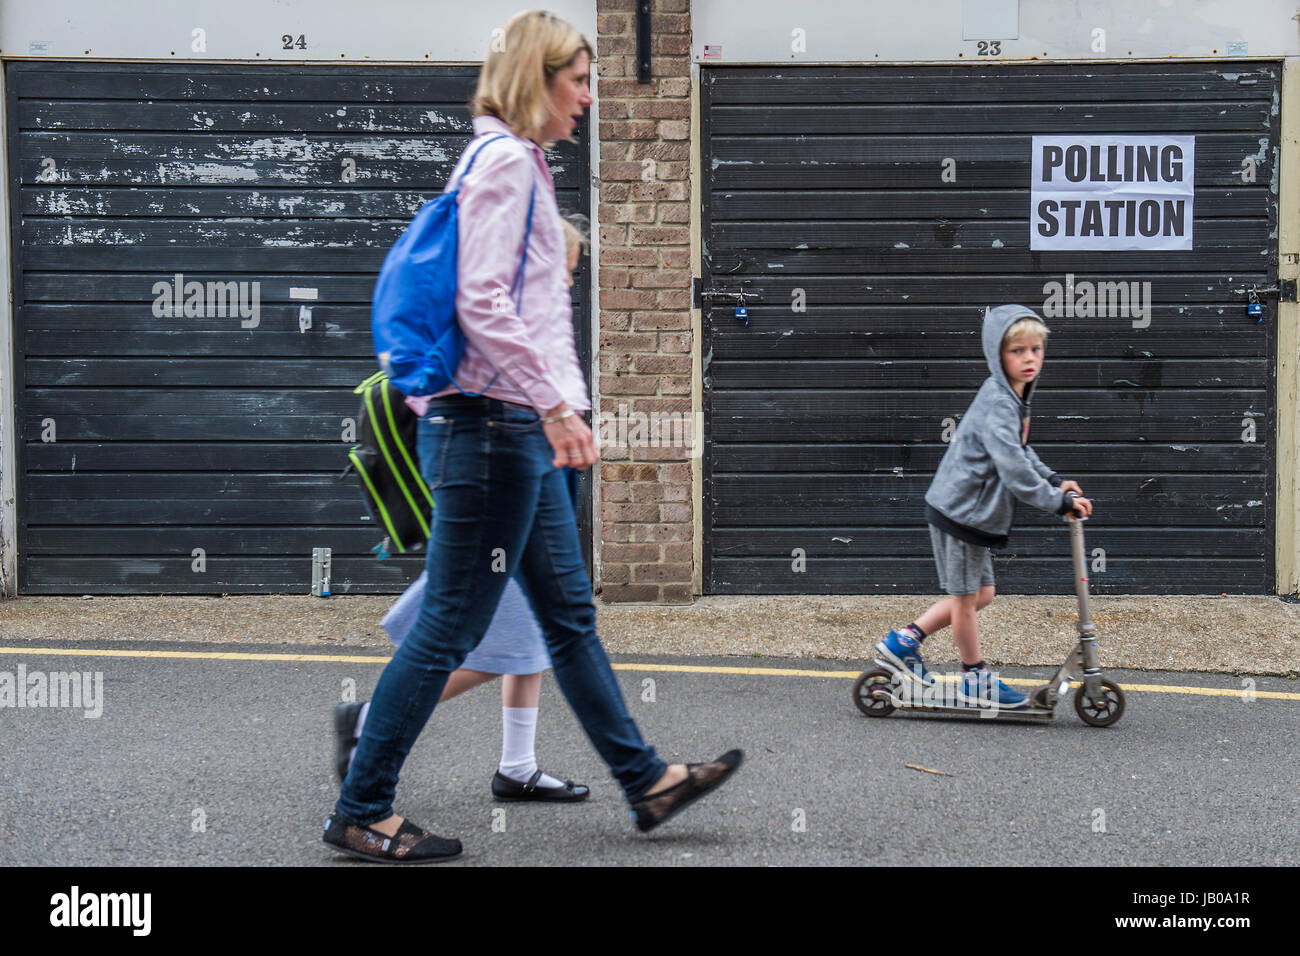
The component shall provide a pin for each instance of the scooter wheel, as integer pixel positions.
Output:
(1104, 711)
(865, 694)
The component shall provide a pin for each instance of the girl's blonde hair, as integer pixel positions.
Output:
(575, 234)
(1026, 326)
(512, 83)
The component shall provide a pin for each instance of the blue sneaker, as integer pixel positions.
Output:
(898, 652)
(977, 688)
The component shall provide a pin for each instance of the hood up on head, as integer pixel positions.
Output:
(996, 323)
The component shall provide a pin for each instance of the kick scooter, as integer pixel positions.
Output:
(1099, 701)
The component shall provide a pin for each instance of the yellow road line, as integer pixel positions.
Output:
(757, 671)
(196, 655)
(644, 668)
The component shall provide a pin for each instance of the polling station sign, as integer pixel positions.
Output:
(1112, 192)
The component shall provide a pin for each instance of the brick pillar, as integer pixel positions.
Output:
(644, 281)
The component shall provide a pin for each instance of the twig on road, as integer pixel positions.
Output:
(913, 766)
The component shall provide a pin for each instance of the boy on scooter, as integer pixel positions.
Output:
(969, 505)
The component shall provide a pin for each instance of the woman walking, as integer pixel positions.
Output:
(512, 648)
(495, 466)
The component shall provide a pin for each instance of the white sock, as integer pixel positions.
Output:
(518, 761)
(361, 722)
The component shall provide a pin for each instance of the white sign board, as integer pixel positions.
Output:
(1112, 192)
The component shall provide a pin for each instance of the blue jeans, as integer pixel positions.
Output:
(500, 509)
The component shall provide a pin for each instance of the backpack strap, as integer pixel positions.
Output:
(473, 156)
(519, 273)
(528, 228)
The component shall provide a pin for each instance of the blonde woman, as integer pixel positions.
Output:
(496, 466)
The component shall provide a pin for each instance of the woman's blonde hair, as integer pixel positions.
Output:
(512, 83)
(575, 234)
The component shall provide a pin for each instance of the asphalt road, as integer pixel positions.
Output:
(211, 761)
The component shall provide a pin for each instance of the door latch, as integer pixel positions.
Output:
(741, 299)
(1284, 289)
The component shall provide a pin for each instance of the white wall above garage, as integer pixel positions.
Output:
(424, 31)
(858, 31)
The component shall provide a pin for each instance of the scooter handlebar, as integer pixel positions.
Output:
(1074, 515)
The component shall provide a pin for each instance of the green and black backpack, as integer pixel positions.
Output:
(388, 467)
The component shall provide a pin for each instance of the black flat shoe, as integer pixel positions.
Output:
(345, 722)
(701, 778)
(409, 844)
(503, 788)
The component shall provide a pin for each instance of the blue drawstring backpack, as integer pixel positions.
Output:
(418, 341)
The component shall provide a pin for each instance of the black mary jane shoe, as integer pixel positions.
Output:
(503, 788)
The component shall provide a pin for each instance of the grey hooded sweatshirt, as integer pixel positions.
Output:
(989, 462)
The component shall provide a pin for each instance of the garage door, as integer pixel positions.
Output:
(180, 443)
(868, 271)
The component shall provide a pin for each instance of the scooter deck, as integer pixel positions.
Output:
(908, 702)
(986, 713)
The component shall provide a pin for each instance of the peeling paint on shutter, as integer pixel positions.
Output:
(182, 433)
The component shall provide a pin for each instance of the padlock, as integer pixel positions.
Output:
(742, 312)
(1255, 311)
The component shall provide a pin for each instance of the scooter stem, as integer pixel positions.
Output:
(1081, 578)
(1087, 646)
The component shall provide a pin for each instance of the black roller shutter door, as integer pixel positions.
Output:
(177, 434)
(823, 427)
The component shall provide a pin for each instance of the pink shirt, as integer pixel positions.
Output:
(532, 347)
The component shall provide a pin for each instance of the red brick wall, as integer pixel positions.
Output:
(644, 285)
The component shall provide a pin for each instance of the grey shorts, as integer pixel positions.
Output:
(963, 567)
